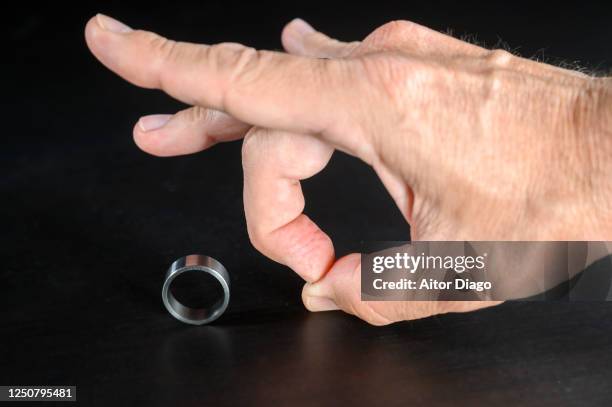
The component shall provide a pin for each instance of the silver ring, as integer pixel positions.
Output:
(196, 316)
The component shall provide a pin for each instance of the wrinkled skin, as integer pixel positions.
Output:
(472, 144)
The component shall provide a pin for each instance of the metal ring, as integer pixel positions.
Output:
(196, 316)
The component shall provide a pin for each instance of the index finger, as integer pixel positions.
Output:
(263, 88)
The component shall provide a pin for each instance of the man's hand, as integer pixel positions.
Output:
(472, 144)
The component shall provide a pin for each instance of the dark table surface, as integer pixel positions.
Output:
(90, 224)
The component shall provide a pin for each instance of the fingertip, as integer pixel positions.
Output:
(317, 289)
(344, 267)
(339, 288)
(113, 44)
(150, 141)
(285, 41)
(153, 122)
(110, 24)
(300, 27)
(97, 37)
(141, 138)
(91, 30)
(292, 36)
(289, 41)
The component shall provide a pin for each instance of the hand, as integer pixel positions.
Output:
(472, 144)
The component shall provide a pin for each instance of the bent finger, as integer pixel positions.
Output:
(274, 162)
(186, 132)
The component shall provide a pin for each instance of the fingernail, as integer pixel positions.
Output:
(301, 27)
(153, 122)
(112, 25)
(315, 298)
(318, 304)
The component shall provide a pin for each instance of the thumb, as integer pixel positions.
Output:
(340, 289)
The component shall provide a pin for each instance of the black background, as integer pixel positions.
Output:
(90, 223)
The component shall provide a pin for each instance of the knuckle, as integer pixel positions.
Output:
(235, 59)
(392, 33)
(199, 114)
(256, 237)
(229, 53)
(259, 238)
(252, 146)
(240, 65)
(247, 66)
(247, 148)
(163, 51)
(164, 48)
(499, 58)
